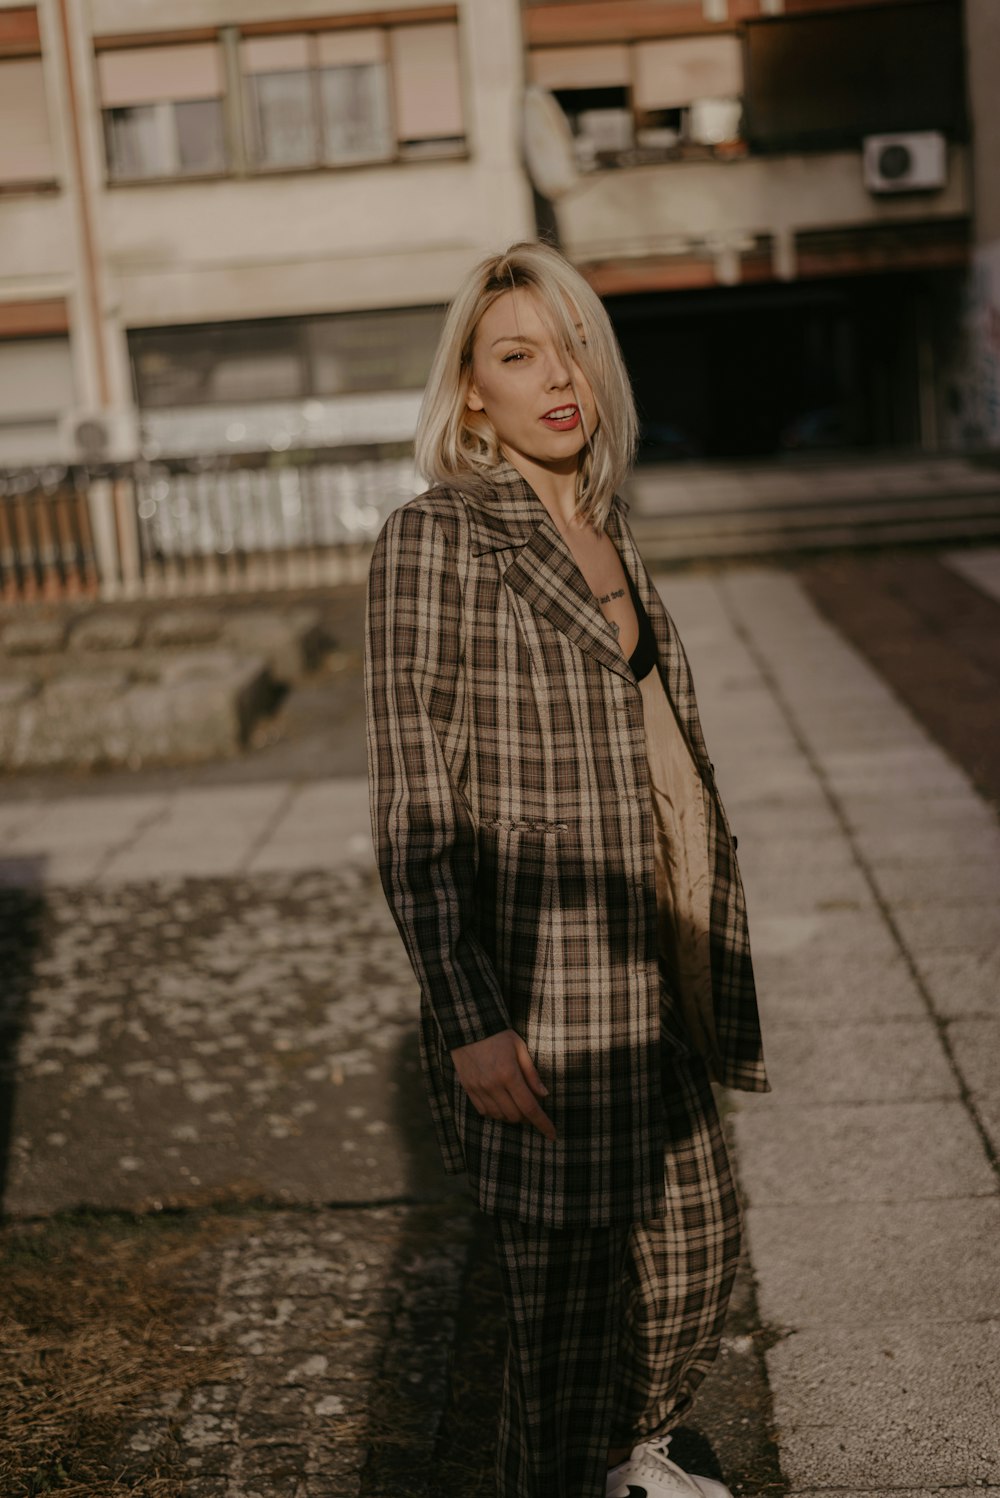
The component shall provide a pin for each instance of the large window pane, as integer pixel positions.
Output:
(141, 141)
(200, 138)
(219, 364)
(285, 359)
(356, 120)
(283, 116)
(369, 351)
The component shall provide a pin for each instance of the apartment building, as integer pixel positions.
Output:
(231, 225)
(778, 200)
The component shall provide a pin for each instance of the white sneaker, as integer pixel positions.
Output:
(649, 1473)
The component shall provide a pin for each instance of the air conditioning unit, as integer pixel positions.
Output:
(100, 436)
(916, 161)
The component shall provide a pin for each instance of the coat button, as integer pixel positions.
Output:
(736, 842)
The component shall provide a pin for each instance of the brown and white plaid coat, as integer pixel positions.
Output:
(513, 828)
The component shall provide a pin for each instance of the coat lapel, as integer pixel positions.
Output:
(543, 571)
(506, 514)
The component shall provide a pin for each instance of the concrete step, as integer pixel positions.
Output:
(724, 533)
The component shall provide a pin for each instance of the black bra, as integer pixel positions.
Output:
(643, 658)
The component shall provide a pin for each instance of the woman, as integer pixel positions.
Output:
(563, 877)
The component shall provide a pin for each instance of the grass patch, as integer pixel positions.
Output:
(98, 1326)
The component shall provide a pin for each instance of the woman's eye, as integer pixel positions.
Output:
(515, 354)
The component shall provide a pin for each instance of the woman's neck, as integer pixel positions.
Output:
(555, 487)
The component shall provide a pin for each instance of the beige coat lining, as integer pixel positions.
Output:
(683, 877)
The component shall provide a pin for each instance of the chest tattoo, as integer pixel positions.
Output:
(607, 597)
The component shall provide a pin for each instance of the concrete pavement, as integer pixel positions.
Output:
(215, 1005)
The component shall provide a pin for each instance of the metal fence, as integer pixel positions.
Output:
(150, 530)
(46, 539)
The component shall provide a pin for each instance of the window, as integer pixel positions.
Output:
(341, 96)
(25, 143)
(25, 149)
(644, 100)
(427, 93)
(36, 387)
(315, 99)
(163, 112)
(354, 96)
(285, 359)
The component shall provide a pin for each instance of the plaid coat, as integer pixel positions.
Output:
(513, 827)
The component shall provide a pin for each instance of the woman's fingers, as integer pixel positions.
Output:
(500, 1078)
(527, 1066)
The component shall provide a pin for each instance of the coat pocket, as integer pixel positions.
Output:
(516, 885)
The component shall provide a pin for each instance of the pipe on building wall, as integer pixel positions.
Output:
(91, 283)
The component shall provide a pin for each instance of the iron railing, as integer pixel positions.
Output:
(203, 526)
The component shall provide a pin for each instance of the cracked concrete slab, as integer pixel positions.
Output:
(888, 1406)
(875, 1152)
(859, 1264)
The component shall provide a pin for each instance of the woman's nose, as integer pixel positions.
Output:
(558, 373)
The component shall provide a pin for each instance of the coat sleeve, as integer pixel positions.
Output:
(425, 840)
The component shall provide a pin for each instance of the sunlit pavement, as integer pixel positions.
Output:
(210, 1007)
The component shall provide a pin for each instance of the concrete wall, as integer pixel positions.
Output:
(677, 207)
(266, 246)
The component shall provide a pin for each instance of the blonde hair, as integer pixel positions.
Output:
(457, 446)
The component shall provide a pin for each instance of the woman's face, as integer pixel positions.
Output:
(535, 395)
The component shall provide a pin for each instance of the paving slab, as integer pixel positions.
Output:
(976, 1045)
(203, 830)
(961, 983)
(972, 927)
(874, 1152)
(859, 1264)
(893, 1061)
(957, 881)
(83, 824)
(321, 826)
(980, 567)
(812, 935)
(825, 986)
(793, 890)
(178, 1041)
(982, 1491)
(888, 1406)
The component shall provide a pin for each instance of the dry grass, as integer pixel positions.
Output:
(96, 1322)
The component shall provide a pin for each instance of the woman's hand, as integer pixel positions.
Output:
(501, 1080)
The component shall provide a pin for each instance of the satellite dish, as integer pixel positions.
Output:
(548, 144)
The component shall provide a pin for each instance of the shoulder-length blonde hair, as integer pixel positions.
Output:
(459, 446)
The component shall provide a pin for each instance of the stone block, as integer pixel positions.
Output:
(194, 714)
(107, 631)
(34, 636)
(63, 724)
(179, 626)
(290, 642)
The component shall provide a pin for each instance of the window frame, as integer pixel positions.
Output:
(239, 116)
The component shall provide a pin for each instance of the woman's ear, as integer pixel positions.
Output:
(473, 399)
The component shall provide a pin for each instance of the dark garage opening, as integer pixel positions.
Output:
(755, 371)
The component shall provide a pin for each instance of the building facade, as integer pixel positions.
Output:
(231, 225)
(778, 200)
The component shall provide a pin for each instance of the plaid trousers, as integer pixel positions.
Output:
(612, 1329)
